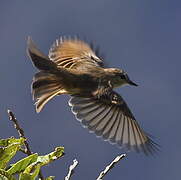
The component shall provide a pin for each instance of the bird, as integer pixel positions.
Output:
(73, 67)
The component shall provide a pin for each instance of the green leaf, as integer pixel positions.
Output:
(50, 178)
(31, 172)
(22, 164)
(46, 159)
(33, 169)
(24, 176)
(4, 175)
(8, 149)
(12, 140)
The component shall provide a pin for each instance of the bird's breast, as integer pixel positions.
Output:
(81, 84)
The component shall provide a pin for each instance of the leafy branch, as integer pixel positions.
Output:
(20, 131)
(29, 168)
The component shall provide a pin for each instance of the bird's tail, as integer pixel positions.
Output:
(46, 84)
(44, 87)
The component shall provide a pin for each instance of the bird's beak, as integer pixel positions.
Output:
(132, 83)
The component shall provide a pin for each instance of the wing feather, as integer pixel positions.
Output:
(114, 130)
(73, 54)
(110, 123)
(113, 121)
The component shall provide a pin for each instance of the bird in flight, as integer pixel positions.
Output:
(72, 67)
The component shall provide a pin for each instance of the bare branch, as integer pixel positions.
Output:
(110, 166)
(71, 169)
(22, 134)
(20, 131)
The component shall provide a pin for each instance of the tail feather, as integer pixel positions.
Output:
(46, 83)
(39, 60)
(44, 87)
(40, 103)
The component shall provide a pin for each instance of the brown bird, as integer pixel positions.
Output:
(73, 68)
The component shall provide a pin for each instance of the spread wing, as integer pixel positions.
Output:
(73, 54)
(111, 118)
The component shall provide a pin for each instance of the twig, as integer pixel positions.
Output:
(110, 166)
(71, 169)
(22, 134)
(20, 131)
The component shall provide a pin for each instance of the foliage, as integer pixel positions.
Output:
(27, 168)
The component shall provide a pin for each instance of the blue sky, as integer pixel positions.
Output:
(141, 37)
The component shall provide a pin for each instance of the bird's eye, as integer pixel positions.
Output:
(122, 76)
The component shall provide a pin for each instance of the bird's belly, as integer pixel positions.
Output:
(83, 86)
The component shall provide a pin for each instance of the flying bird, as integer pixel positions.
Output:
(72, 67)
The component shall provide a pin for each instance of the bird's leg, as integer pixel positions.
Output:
(103, 89)
(114, 98)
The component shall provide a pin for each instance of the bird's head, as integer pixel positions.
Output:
(119, 77)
